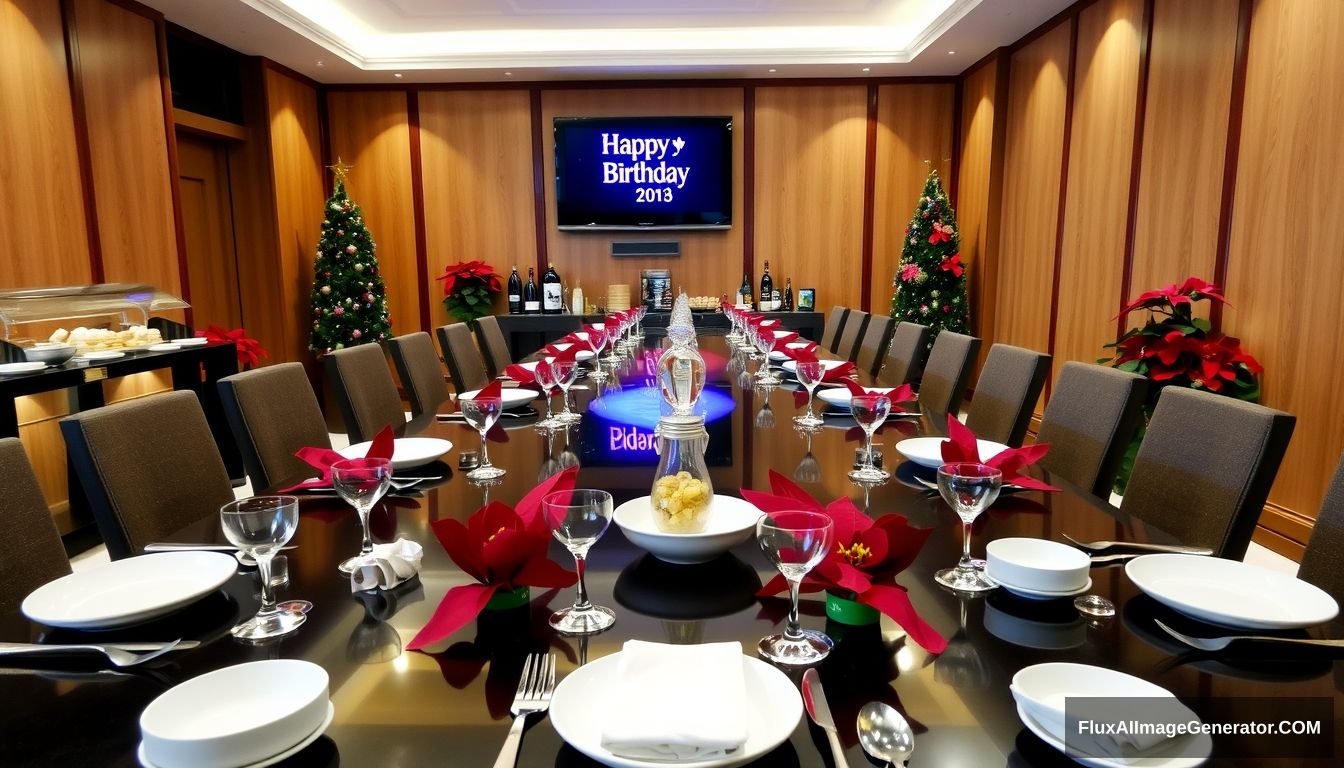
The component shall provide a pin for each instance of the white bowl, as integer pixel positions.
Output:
(1037, 565)
(731, 522)
(49, 354)
(509, 397)
(407, 452)
(928, 451)
(235, 716)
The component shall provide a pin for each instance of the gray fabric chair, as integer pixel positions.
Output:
(365, 391)
(848, 343)
(873, 345)
(1205, 468)
(148, 466)
(273, 412)
(835, 322)
(493, 345)
(1089, 421)
(947, 372)
(1006, 394)
(31, 553)
(904, 361)
(464, 362)
(1323, 560)
(420, 372)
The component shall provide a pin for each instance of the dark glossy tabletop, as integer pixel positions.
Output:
(450, 708)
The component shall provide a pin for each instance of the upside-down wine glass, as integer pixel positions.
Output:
(869, 411)
(969, 489)
(809, 375)
(578, 518)
(795, 542)
(566, 371)
(545, 376)
(260, 526)
(361, 483)
(482, 413)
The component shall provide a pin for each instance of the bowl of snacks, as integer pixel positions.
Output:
(728, 521)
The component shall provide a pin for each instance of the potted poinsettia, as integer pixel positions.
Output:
(469, 290)
(250, 351)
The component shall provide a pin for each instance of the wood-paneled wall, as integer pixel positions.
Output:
(979, 195)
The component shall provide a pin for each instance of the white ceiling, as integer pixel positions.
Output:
(372, 41)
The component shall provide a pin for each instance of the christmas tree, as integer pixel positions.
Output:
(930, 283)
(349, 302)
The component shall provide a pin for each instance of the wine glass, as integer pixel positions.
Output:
(969, 489)
(809, 375)
(765, 341)
(869, 411)
(613, 331)
(545, 376)
(260, 526)
(482, 413)
(578, 518)
(361, 483)
(597, 341)
(566, 371)
(795, 542)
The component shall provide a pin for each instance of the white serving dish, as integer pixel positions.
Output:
(192, 341)
(49, 354)
(1037, 565)
(1231, 593)
(731, 522)
(514, 397)
(928, 451)
(16, 369)
(236, 716)
(407, 452)
(128, 591)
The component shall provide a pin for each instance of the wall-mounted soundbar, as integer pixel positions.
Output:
(656, 248)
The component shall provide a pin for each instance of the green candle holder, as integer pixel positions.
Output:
(846, 610)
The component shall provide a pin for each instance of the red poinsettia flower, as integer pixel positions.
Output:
(1192, 290)
(250, 350)
(469, 271)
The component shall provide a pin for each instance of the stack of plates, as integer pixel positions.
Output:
(1038, 569)
(618, 298)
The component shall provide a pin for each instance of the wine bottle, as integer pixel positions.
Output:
(744, 293)
(515, 293)
(767, 290)
(552, 292)
(531, 300)
(788, 295)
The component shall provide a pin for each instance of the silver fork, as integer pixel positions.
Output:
(533, 695)
(1097, 546)
(117, 656)
(1219, 643)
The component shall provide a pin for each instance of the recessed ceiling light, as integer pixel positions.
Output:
(867, 69)
(508, 74)
(772, 69)
(321, 63)
(396, 74)
(949, 53)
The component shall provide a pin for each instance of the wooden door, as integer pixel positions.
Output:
(207, 216)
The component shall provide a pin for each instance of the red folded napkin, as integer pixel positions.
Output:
(902, 394)
(321, 459)
(569, 353)
(960, 446)
(784, 338)
(522, 375)
(809, 349)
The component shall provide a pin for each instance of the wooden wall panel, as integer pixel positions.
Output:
(477, 163)
(128, 144)
(369, 130)
(1184, 135)
(711, 261)
(42, 225)
(977, 200)
(1100, 154)
(914, 134)
(810, 154)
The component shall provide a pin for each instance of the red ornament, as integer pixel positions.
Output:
(952, 264)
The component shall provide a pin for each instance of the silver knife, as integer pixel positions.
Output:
(180, 645)
(814, 698)
(174, 546)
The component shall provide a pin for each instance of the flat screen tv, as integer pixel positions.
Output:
(644, 172)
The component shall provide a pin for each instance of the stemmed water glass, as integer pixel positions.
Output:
(361, 483)
(809, 375)
(566, 371)
(795, 542)
(545, 376)
(613, 331)
(482, 413)
(969, 489)
(869, 411)
(578, 518)
(765, 342)
(597, 341)
(260, 526)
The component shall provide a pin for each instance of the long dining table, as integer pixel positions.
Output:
(449, 706)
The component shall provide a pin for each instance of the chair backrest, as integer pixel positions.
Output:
(421, 375)
(1089, 421)
(835, 322)
(273, 412)
(1006, 393)
(947, 372)
(464, 362)
(493, 345)
(31, 553)
(1323, 560)
(855, 325)
(149, 467)
(1205, 467)
(365, 391)
(904, 360)
(873, 345)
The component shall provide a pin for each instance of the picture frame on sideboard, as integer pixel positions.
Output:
(807, 300)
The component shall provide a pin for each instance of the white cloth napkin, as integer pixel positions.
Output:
(387, 565)
(677, 702)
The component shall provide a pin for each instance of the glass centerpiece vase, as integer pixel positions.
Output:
(682, 490)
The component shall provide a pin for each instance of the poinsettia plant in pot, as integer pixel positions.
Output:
(469, 290)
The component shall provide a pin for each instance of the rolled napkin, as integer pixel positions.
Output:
(387, 566)
(677, 702)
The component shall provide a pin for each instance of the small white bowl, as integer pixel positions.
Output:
(49, 354)
(235, 716)
(407, 452)
(1038, 565)
(731, 522)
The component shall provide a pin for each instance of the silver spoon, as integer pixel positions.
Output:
(885, 734)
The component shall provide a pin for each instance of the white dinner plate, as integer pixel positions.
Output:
(839, 397)
(792, 365)
(407, 452)
(928, 451)
(15, 369)
(1037, 594)
(129, 591)
(515, 397)
(167, 346)
(582, 354)
(778, 355)
(288, 753)
(109, 354)
(579, 699)
(731, 522)
(1230, 593)
(1159, 759)
(192, 341)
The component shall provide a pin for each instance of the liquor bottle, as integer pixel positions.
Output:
(744, 293)
(515, 293)
(552, 292)
(788, 295)
(777, 299)
(767, 290)
(531, 299)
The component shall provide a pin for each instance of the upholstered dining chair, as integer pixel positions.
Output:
(31, 553)
(1089, 421)
(493, 345)
(873, 345)
(1205, 467)
(273, 412)
(835, 322)
(1323, 560)
(1006, 393)
(148, 466)
(364, 390)
(421, 375)
(464, 362)
(904, 361)
(848, 343)
(947, 372)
